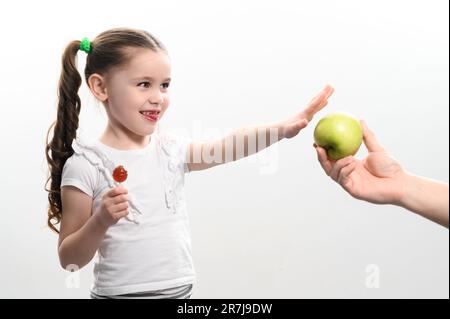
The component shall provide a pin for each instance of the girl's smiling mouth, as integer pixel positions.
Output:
(151, 115)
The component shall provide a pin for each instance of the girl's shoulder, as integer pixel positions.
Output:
(78, 170)
(89, 156)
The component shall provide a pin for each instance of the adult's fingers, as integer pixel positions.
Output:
(334, 174)
(323, 159)
(370, 139)
(344, 174)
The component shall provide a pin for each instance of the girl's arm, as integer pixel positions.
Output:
(81, 232)
(250, 140)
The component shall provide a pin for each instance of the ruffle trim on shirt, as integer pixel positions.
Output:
(97, 158)
(174, 174)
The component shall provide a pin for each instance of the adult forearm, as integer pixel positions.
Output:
(426, 197)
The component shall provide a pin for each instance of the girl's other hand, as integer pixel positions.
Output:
(114, 206)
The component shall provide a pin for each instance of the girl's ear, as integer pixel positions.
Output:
(97, 85)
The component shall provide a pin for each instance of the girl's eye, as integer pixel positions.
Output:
(146, 84)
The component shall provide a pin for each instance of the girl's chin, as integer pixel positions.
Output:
(150, 130)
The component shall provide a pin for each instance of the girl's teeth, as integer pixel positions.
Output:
(150, 113)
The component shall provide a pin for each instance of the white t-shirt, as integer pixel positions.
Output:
(150, 249)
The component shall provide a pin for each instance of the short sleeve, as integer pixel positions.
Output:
(78, 172)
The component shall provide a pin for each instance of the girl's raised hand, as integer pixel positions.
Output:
(295, 124)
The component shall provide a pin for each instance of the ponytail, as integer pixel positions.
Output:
(64, 131)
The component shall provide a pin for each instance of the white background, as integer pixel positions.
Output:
(290, 234)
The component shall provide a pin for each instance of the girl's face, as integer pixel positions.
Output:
(138, 93)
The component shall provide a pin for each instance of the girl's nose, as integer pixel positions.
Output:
(156, 98)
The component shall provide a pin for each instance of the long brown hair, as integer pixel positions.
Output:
(108, 50)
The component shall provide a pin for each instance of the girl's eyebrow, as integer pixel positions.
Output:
(149, 78)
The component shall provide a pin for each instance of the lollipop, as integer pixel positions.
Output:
(120, 174)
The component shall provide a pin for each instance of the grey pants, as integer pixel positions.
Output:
(182, 292)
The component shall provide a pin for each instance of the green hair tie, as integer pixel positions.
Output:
(85, 45)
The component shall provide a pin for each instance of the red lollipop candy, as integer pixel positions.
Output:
(120, 174)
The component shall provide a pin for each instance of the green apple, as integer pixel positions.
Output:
(340, 134)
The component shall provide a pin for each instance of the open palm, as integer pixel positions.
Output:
(376, 178)
(300, 120)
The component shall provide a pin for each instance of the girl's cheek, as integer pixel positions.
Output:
(166, 103)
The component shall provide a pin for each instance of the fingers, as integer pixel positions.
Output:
(302, 124)
(119, 208)
(321, 99)
(298, 125)
(344, 174)
(370, 140)
(292, 130)
(117, 191)
(328, 91)
(323, 95)
(117, 199)
(120, 198)
(114, 205)
(323, 159)
(318, 102)
(117, 215)
(339, 171)
(121, 214)
(339, 165)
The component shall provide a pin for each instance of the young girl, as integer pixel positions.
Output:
(138, 225)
